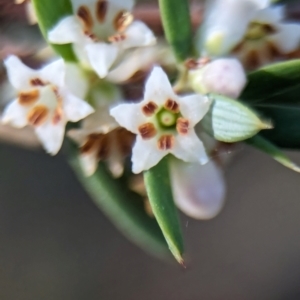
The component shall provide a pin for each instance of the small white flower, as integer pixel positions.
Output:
(268, 38)
(101, 138)
(43, 101)
(101, 31)
(225, 23)
(164, 123)
(224, 76)
(198, 190)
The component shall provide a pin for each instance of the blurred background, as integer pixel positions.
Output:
(56, 245)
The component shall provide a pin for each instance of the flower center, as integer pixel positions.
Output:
(167, 119)
(257, 31)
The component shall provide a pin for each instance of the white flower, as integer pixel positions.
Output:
(100, 137)
(268, 38)
(164, 123)
(198, 190)
(224, 76)
(225, 23)
(43, 101)
(101, 31)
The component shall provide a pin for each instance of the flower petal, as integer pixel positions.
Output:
(129, 116)
(51, 135)
(270, 15)
(199, 190)
(101, 57)
(194, 107)
(189, 148)
(76, 109)
(54, 73)
(89, 162)
(158, 87)
(145, 154)
(288, 37)
(137, 35)
(19, 75)
(68, 30)
(15, 114)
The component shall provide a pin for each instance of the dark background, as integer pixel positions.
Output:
(55, 244)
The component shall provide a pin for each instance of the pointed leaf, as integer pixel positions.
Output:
(49, 12)
(159, 191)
(265, 146)
(231, 121)
(177, 27)
(124, 207)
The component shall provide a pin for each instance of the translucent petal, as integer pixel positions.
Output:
(288, 37)
(75, 109)
(89, 163)
(189, 148)
(77, 135)
(137, 35)
(198, 190)
(145, 155)
(224, 76)
(158, 87)
(19, 75)
(51, 135)
(68, 30)
(270, 15)
(194, 107)
(54, 73)
(101, 57)
(129, 116)
(15, 114)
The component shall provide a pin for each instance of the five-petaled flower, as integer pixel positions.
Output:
(43, 101)
(100, 32)
(164, 123)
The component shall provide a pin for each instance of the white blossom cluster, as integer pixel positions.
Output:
(113, 48)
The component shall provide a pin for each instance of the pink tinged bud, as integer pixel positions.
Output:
(198, 190)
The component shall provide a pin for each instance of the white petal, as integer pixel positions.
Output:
(189, 148)
(89, 163)
(75, 80)
(194, 107)
(68, 30)
(199, 191)
(124, 4)
(101, 57)
(78, 136)
(129, 116)
(51, 135)
(158, 87)
(288, 37)
(145, 154)
(76, 109)
(15, 114)
(19, 75)
(137, 35)
(224, 76)
(270, 15)
(54, 73)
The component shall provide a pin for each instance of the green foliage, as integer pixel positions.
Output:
(177, 27)
(124, 207)
(231, 121)
(49, 13)
(158, 186)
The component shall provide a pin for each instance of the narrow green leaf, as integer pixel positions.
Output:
(231, 121)
(270, 81)
(49, 12)
(124, 207)
(267, 147)
(160, 196)
(177, 27)
(286, 121)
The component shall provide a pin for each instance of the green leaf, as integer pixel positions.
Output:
(49, 12)
(177, 27)
(157, 183)
(231, 121)
(270, 81)
(286, 121)
(124, 207)
(267, 147)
